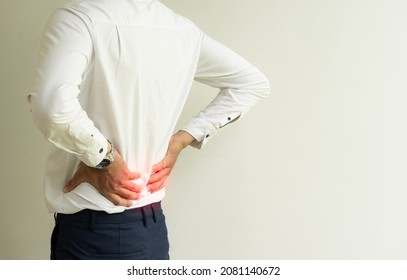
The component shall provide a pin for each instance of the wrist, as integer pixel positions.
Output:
(181, 140)
(109, 157)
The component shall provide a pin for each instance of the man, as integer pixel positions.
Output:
(112, 79)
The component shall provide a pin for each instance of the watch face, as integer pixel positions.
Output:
(104, 163)
(109, 158)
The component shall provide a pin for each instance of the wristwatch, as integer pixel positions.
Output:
(108, 159)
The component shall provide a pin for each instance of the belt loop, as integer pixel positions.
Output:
(153, 210)
(144, 214)
(92, 218)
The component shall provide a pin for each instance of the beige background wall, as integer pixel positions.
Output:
(316, 171)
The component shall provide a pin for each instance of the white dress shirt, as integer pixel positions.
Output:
(121, 70)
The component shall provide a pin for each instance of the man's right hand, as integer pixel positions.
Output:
(114, 182)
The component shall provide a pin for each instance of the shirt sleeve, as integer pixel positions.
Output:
(241, 86)
(66, 49)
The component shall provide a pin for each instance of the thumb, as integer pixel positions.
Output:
(73, 183)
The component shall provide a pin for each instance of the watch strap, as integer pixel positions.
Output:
(108, 159)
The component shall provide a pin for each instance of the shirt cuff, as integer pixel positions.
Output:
(203, 131)
(91, 145)
(200, 139)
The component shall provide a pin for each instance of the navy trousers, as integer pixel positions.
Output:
(135, 234)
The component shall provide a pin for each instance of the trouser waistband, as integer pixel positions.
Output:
(88, 216)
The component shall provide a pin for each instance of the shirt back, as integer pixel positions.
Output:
(140, 63)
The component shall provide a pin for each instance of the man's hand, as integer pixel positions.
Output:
(114, 182)
(163, 169)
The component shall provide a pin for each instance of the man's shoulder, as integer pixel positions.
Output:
(139, 12)
(92, 9)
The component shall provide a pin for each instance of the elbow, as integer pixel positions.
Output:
(265, 87)
(44, 114)
(262, 87)
(41, 116)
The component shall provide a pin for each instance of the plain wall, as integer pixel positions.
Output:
(315, 171)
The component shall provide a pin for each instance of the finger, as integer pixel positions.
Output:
(134, 175)
(127, 194)
(157, 185)
(131, 186)
(155, 177)
(158, 175)
(118, 200)
(158, 166)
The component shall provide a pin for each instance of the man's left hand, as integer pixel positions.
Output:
(163, 169)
